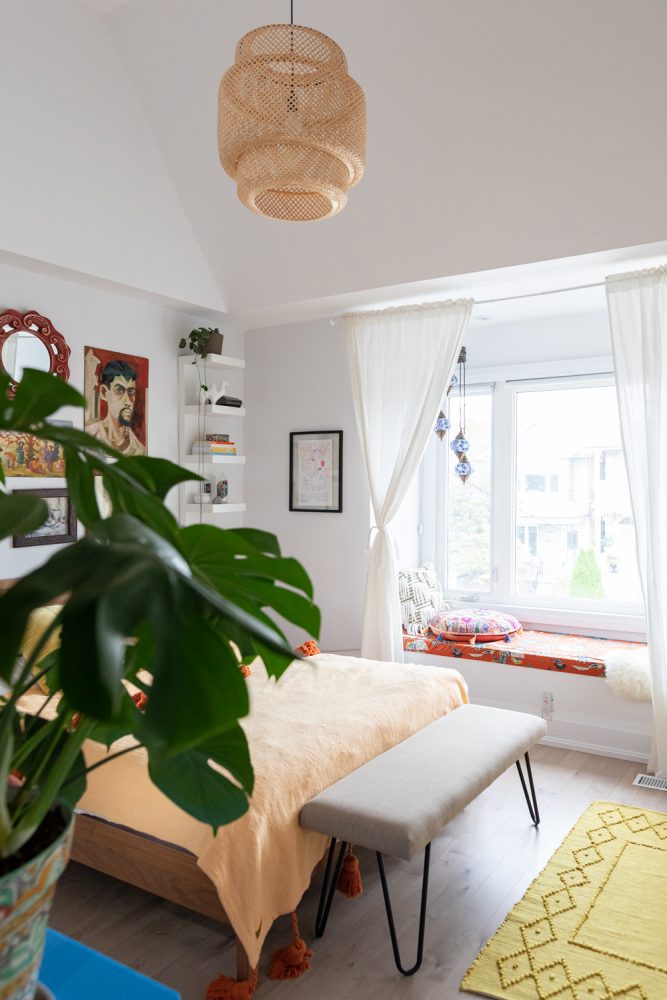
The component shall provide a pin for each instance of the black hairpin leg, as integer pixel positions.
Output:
(422, 914)
(328, 887)
(532, 806)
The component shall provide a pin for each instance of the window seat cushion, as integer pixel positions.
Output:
(569, 654)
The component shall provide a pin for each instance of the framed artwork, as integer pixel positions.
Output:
(60, 525)
(316, 471)
(116, 388)
(29, 456)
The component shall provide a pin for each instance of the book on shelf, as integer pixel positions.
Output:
(218, 437)
(226, 449)
(213, 445)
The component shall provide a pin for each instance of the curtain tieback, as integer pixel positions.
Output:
(381, 529)
(374, 527)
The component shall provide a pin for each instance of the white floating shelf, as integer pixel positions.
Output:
(214, 460)
(221, 360)
(215, 508)
(192, 410)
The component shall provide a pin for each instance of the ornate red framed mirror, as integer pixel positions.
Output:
(28, 340)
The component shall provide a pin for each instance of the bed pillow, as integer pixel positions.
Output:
(474, 625)
(38, 622)
(421, 598)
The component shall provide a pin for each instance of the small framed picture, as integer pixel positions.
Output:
(316, 471)
(60, 525)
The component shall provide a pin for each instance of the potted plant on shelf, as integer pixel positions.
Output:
(203, 341)
(172, 611)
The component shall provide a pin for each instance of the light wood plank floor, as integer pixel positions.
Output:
(481, 865)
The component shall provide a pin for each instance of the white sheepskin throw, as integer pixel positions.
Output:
(629, 674)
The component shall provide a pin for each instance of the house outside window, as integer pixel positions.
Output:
(537, 530)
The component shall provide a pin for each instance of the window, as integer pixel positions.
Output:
(469, 520)
(545, 520)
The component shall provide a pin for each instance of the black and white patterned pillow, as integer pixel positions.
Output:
(421, 597)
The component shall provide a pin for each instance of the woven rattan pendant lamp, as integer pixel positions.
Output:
(291, 123)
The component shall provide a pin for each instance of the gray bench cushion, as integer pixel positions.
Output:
(399, 801)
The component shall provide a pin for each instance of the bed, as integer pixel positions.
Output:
(326, 716)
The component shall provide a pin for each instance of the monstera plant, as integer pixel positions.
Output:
(171, 611)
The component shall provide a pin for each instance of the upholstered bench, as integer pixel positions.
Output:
(399, 801)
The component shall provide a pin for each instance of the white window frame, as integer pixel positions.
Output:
(618, 620)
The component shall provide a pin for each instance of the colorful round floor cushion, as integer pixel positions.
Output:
(474, 625)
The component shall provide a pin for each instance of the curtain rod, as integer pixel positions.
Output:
(511, 298)
(533, 295)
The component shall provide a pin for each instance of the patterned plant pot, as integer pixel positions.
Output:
(25, 903)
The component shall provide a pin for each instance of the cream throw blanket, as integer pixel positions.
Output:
(325, 717)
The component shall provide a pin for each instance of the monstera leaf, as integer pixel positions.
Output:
(148, 603)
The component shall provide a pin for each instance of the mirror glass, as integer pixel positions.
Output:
(24, 350)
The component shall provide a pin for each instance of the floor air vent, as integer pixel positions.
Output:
(648, 781)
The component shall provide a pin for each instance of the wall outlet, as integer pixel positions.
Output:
(547, 711)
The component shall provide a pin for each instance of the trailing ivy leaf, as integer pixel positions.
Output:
(20, 514)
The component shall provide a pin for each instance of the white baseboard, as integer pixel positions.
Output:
(595, 748)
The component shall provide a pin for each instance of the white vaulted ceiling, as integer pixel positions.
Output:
(499, 133)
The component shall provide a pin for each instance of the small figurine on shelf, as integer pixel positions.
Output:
(222, 491)
(211, 394)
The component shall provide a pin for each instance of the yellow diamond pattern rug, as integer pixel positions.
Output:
(593, 925)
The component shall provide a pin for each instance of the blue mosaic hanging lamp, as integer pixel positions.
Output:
(442, 425)
(460, 444)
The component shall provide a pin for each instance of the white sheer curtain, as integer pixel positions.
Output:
(638, 317)
(401, 361)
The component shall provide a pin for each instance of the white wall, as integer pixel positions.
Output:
(90, 317)
(499, 132)
(82, 183)
(297, 380)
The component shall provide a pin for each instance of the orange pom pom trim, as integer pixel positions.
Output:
(292, 961)
(226, 988)
(309, 648)
(140, 700)
(349, 880)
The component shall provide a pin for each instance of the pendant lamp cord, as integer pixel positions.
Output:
(291, 11)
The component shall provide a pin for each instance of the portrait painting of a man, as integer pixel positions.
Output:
(115, 387)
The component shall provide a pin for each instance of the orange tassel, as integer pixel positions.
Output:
(292, 961)
(349, 880)
(225, 988)
(140, 699)
(308, 648)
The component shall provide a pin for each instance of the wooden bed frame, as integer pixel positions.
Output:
(153, 865)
